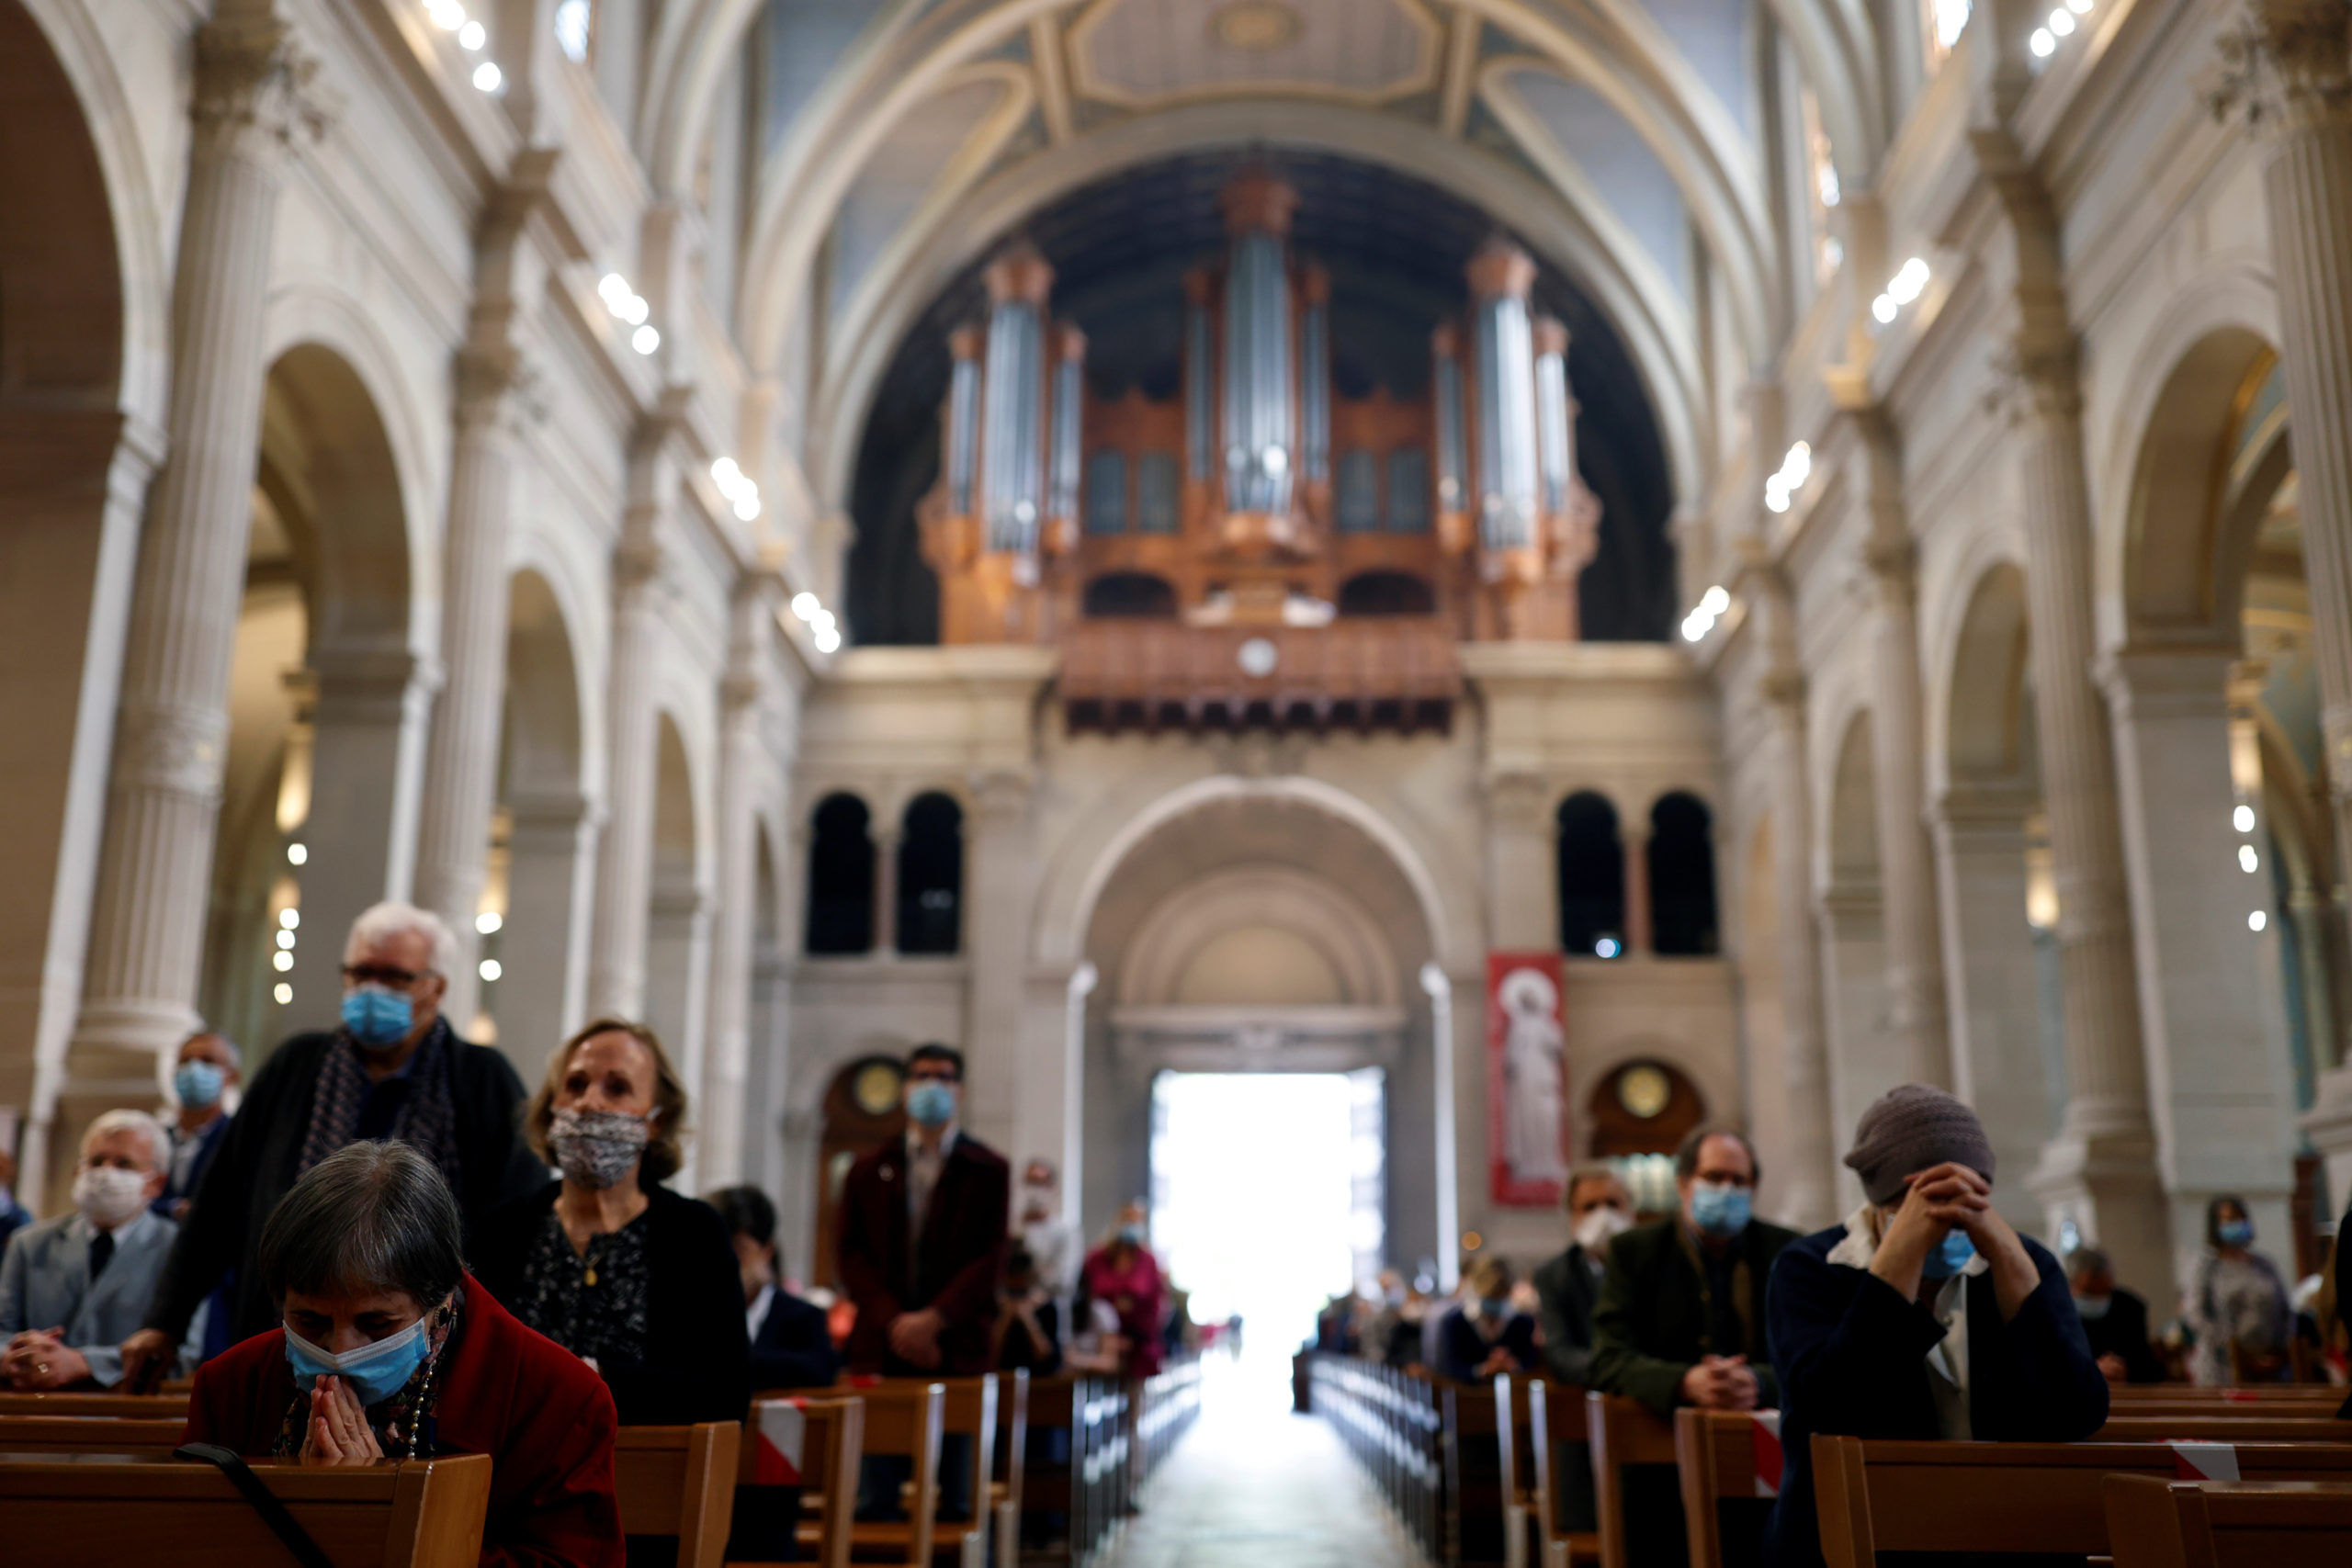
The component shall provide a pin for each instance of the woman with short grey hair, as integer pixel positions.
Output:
(388, 1349)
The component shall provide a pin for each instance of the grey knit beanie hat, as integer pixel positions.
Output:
(1910, 1129)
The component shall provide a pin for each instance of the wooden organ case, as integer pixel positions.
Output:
(1257, 550)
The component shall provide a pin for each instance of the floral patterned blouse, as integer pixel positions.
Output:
(591, 1305)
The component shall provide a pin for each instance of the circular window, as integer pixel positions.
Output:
(876, 1088)
(1644, 1090)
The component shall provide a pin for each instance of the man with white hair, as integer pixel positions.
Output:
(392, 1069)
(71, 1289)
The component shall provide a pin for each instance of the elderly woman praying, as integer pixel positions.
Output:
(639, 1281)
(387, 1348)
(1924, 1315)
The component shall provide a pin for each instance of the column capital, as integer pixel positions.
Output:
(499, 388)
(256, 84)
(2037, 376)
(2283, 64)
(1516, 797)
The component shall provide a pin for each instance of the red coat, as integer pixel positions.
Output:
(544, 1418)
(956, 1267)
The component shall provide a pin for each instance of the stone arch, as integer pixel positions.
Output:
(1987, 737)
(1849, 836)
(677, 927)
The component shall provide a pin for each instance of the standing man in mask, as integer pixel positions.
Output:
(923, 1235)
(1680, 1317)
(71, 1289)
(392, 1069)
(1051, 1239)
(207, 1067)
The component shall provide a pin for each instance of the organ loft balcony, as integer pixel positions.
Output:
(1262, 549)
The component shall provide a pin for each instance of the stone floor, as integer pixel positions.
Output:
(1253, 1485)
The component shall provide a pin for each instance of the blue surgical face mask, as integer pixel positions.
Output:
(931, 1103)
(377, 1018)
(2093, 1308)
(1952, 1257)
(1721, 1209)
(374, 1372)
(1494, 1308)
(2237, 1233)
(1131, 1234)
(198, 1083)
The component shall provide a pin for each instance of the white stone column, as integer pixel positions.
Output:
(625, 864)
(2290, 70)
(1853, 959)
(1633, 844)
(1996, 1057)
(461, 775)
(1917, 1025)
(254, 102)
(999, 874)
(743, 770)
(2100, 1171)
(551, 879)
(1447, 1070)
(366, 773)
(2220, 1084)
(677, 987)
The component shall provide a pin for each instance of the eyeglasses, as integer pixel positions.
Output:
(942, 1073)
(379, 974)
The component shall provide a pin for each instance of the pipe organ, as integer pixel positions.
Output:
(1258, 506)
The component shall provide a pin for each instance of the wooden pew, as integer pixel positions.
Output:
(2267, 1394)
(1477, 1481)
(155, 1406)
(1006, 1481)
(2230, 1427)
(679, 1480)
(139, 1437)
(1046, 1488)
(2013, 1498)
(80, 1514)
(971, 1413)
(1624, 1433)
(827, 1437)
(903, 1419)
(1554, 1548)
(1724, 1456)
(1100, 1453)
(2226, 1524)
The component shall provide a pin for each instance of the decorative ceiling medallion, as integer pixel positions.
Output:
(1251, 26)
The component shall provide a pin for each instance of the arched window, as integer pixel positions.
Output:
(1131, 595)
(1682, 877)
(931, 876)
(840, 877)
(1386, 593)
(1592, 878)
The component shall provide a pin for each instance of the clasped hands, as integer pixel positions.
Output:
(1721, 1382)
(38, 1359)
(1941, 1200)
(338, 1432)
(914, 1338)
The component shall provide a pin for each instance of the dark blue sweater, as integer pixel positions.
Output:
(1851, 1352)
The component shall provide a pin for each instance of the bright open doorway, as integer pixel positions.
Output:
(1267, 1194)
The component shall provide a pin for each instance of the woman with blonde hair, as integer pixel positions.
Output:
(638, 1282)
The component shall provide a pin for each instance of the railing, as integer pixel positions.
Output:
(1389, 1421)
(1386, 672)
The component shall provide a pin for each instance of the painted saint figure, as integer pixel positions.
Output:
(1532, 1066)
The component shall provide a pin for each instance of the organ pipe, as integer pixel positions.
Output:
(1259, 440)
(1069, 395)
(1013, 389)
(1200, 386)
(962, 419)
(1446, 371)
(1499, 276)
(1554, 429)
(1315, 377)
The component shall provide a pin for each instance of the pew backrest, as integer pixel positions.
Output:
(2153, 1523)
(905, 1419)
(408, 1514)
(679, 1480)
(137, 1436)
(1623, 1432)
(1722, 1455)
(153, 1407)
(815, 1443)
(1880, 1497)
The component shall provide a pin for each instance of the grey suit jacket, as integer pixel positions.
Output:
(1566, 1287)
(45, 1281)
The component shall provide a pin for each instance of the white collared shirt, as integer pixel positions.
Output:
(756, 1313)
(1948, 1358)
(922, 1175)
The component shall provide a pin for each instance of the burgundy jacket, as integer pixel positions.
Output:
(544, 1418)
(962, 1254)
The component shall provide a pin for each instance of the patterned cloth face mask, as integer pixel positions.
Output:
(596, 1148)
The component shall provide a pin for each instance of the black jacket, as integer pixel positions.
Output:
(2124, 1332)
(1462, 1349)
(1853, 1355)
(1650, 1324)
(252, 1167)
(698, 1358)
(1566, 1289)
(2344, 1287)
(794, 1349)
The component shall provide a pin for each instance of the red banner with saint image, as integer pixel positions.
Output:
(1527, 1080)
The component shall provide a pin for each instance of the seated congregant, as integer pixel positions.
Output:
(388, 1349)
(72, 1289)
(638, 1282)
(1482, 1333)
(2115, 1321)
(1680, 1315)
(792, 1345)
(1028, 1319)
(1600, 1209)
(1923, 1316)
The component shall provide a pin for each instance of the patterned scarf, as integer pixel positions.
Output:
(428, 1121)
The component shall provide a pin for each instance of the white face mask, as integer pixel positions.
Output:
(109, 1197)
(1599, 1227)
